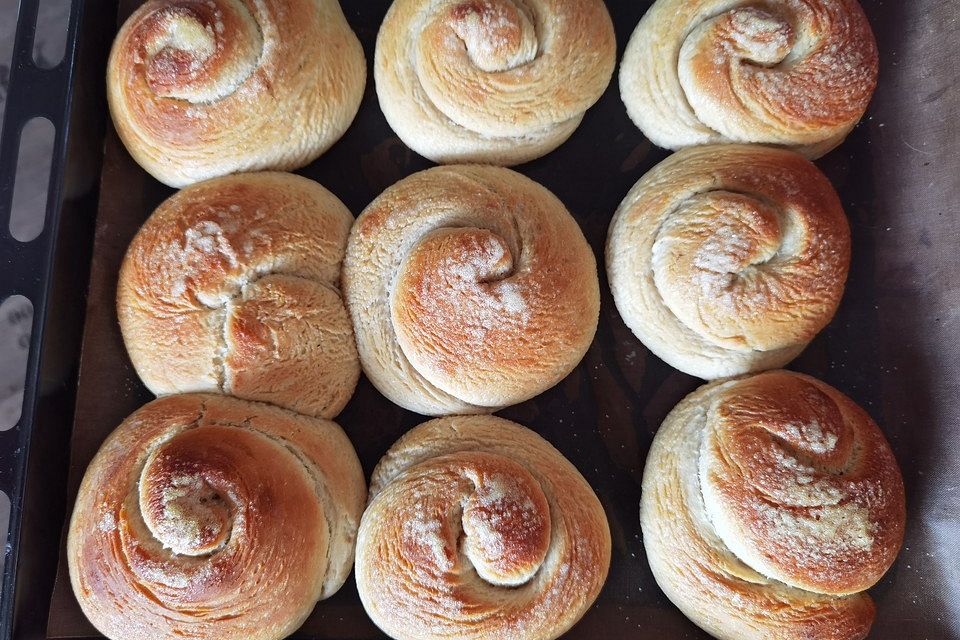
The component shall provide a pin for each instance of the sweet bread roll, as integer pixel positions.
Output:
(770, 503)
(729, 259)
(232, 285)
(204, 516)
(470, 288)
(491, 81)
(203, 88)
(797, 74)
(479, 529)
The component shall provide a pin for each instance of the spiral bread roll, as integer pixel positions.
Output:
(477, 528)
(232, 285)
(729, 259)
(203, 88)
(491, 81)
(205, 516)
(797, 73)
(470, 288)
(770, 503)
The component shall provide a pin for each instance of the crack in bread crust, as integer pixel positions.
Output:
(232, 285)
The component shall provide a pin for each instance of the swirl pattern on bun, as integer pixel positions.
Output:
(491, 81)
(770, 503)
(795, 73)
(204, 88)
(479, 529)
(729, 259)
(470, 288)
(205, 516)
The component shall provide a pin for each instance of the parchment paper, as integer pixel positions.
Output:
(893, 346)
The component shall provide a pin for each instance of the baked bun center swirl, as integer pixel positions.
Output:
(491, 48)
(770, 503)
(207, 516)
(738, 272)
(506, 524)
(480, 519)
(471, 288)
(729, 259)
(458, 306)
(792, 490)
(197, 50)
(499, 35)
(187, 502)
(197, 529)
(479, 529)
(491, 81)
(793, 72)
(788, 75)
(199, 89)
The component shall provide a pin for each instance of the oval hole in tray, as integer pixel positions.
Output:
(16, 325)
(32, 181)
(50, 39)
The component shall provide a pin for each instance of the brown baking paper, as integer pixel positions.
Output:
(894, 345)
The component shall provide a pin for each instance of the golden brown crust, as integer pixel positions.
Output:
(477, 528)
(204, 88)
(491, 81)
(176, 529)
(729, 259)
(470, 288)
(232, 286)
(797, 73)
(769, 504)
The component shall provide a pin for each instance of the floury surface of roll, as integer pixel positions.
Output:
(770, 503)
(204, 516)
(470, 288)
(729, 259)
(232, 286)
(796, 73)
(204, 88)
(478, 529)
(491, 81)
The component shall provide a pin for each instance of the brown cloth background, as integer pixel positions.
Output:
(894, 346)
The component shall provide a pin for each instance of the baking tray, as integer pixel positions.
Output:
(51, 271)
(892, 347)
